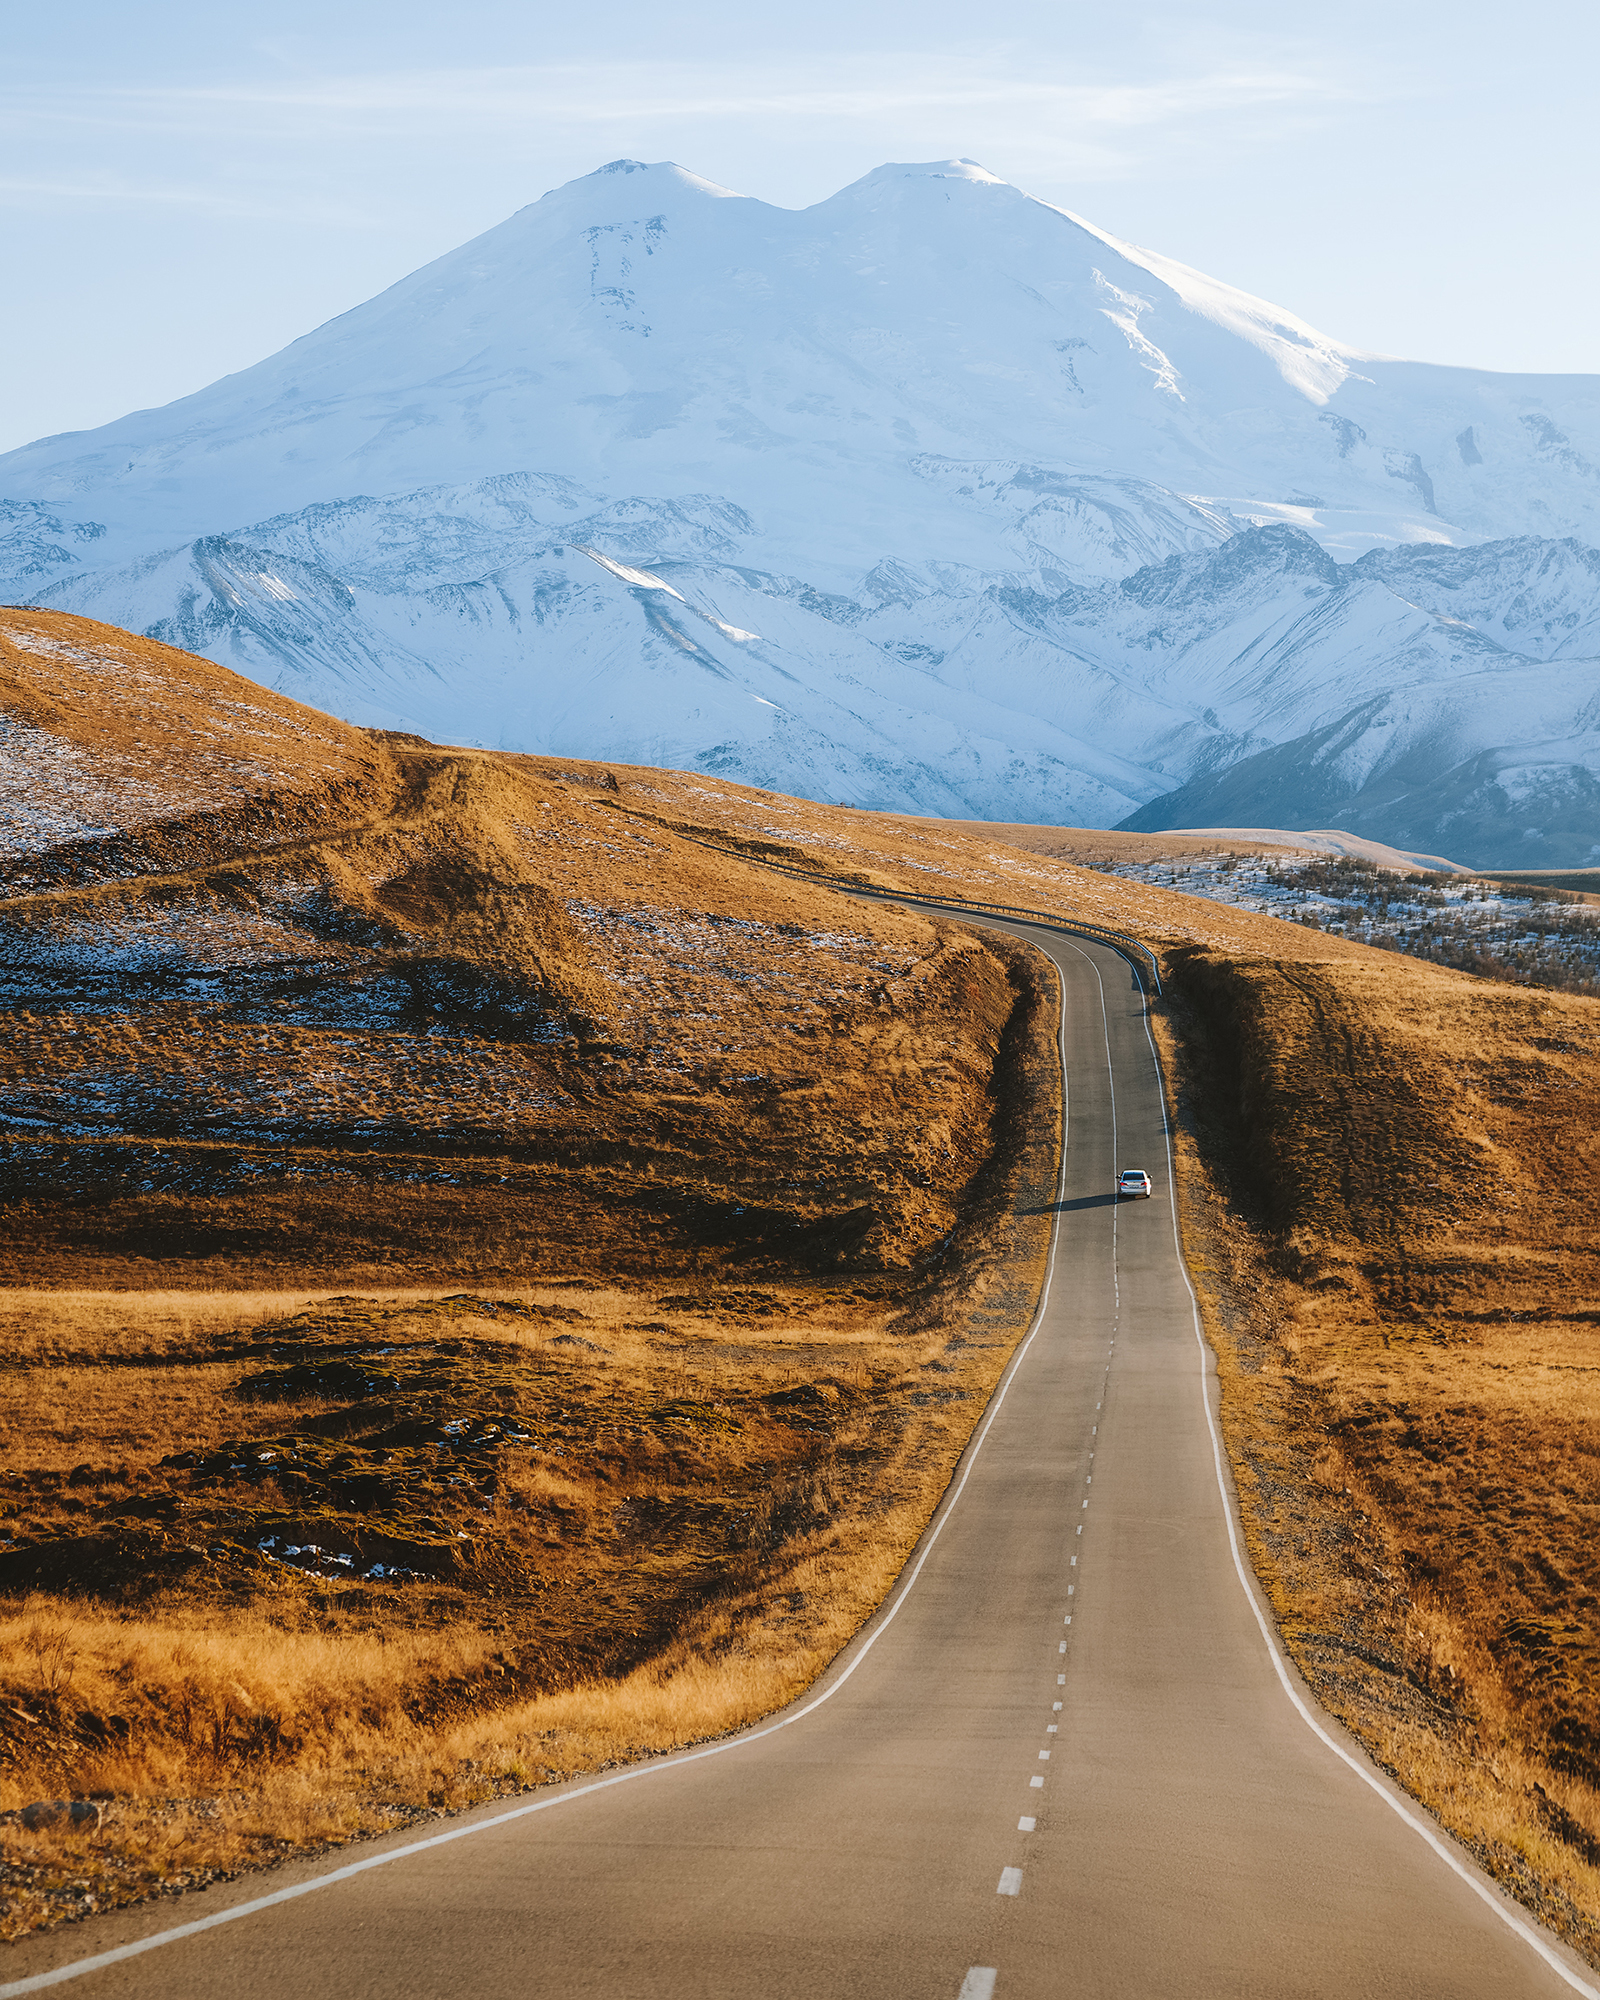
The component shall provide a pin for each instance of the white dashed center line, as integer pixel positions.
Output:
(1044, 1756)
(1026, 1824)
(1010, 1882)
(978, 1984)
(1037, 1784)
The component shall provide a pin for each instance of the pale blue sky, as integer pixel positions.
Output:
(186, 187)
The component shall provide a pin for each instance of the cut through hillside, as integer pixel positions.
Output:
(1385, 1169)
(1388, 1178)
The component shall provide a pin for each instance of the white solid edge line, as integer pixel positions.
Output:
(79, 1968)
(1488, 1894)
(1484, 1891)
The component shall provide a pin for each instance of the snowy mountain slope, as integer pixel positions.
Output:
(1534, 806)
(1542, 598)
(933, 688)
(933, 496)
(641, 324)
(701, 668)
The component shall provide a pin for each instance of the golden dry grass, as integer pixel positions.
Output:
(1402, 1298)
(1386, 1176)
(692, 1503)
(1387, 1172)
(668, 1205)
(479, 1033)
(180, 1819)
(123, 753)
(1096, 847)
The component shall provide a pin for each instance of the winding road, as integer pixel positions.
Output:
(1064, 1759)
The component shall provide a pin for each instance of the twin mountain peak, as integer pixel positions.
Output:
(931, 497)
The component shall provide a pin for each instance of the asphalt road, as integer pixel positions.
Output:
(1062, 1761)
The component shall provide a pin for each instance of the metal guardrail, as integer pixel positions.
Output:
(1119, 940)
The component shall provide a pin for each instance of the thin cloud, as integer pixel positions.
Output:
(98, 191)
(286, 143)
(656, 93)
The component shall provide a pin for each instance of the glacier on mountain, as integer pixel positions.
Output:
(930, 497)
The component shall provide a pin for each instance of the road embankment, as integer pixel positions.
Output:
(1384, 1173)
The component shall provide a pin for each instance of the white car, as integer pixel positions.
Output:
(1133, 1181)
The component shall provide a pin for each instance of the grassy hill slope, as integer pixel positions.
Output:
(498, 1275)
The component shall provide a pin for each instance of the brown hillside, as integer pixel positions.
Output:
(1389, 1177)
(121, 755)
(554, 1038)
(677, 1217)
(1387, 1174)
(475, 1027)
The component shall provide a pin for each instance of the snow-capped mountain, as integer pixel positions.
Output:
(931, 496)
